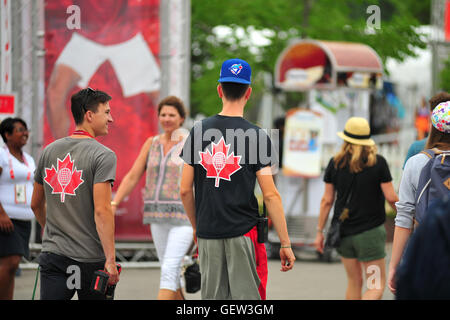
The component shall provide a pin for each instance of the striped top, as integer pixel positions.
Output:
(162, 202)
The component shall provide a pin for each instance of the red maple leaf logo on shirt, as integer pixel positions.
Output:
(65, 179)
(218, 164)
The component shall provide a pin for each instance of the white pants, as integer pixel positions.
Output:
(172, 243)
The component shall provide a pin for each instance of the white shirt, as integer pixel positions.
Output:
(23, 181)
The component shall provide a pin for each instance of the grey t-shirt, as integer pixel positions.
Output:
(68, 169)
(406, 205)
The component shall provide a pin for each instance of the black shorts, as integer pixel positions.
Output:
(16, 243)
(58, 278)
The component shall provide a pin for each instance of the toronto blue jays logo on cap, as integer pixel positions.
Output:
(236, 68)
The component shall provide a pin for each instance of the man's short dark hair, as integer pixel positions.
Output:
(86, 99)
(233, 91)
(7, 126)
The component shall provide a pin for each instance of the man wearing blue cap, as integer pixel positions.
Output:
(224, 156)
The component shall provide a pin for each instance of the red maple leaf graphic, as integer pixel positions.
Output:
(219, 164)
(65, 179)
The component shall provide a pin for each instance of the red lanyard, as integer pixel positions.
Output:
(82, 133)
(11, 169)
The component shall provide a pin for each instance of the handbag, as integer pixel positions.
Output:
(192, 276)
(333, 239)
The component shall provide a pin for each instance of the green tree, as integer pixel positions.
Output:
(445, 76)
(281, 21)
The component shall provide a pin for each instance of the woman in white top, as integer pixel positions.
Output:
(439, 139)
(16, 187)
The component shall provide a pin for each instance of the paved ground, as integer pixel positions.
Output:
(309, 280)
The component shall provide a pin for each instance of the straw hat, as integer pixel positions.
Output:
(357, 131)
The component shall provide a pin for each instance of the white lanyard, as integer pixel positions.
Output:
(11, 169)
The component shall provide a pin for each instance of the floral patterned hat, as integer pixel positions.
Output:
(440, 118)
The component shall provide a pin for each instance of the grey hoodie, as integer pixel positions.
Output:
(406, 206)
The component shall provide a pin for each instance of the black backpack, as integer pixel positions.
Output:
(424, 272)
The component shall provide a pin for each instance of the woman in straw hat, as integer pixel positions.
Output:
(359, 174)
(439, 140)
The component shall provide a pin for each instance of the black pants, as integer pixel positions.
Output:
(61, 277)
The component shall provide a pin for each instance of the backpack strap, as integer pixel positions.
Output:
(424, 181)
(425, 177)
(429, 153)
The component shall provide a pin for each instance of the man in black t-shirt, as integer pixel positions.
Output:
(224, 156)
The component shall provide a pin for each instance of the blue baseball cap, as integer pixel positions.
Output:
(235, 70)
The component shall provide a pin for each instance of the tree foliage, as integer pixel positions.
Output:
(280, 22)
(445, 76)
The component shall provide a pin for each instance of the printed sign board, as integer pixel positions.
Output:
(302, 145)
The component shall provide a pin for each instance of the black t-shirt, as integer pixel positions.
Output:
(367, 202)
(226, 152)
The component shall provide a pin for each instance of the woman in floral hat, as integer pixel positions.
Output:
(439, 141)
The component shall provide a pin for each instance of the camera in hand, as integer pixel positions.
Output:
(100, 283)
(263, 229)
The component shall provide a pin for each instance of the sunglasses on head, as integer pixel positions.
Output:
(89, 90)
(22, 129)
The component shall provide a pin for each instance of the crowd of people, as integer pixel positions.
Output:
(199, 192)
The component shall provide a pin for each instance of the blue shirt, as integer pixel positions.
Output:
(414, 149)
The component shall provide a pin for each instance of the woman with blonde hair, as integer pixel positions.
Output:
(359, 175)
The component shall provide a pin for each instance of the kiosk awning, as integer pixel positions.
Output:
(315, 64)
